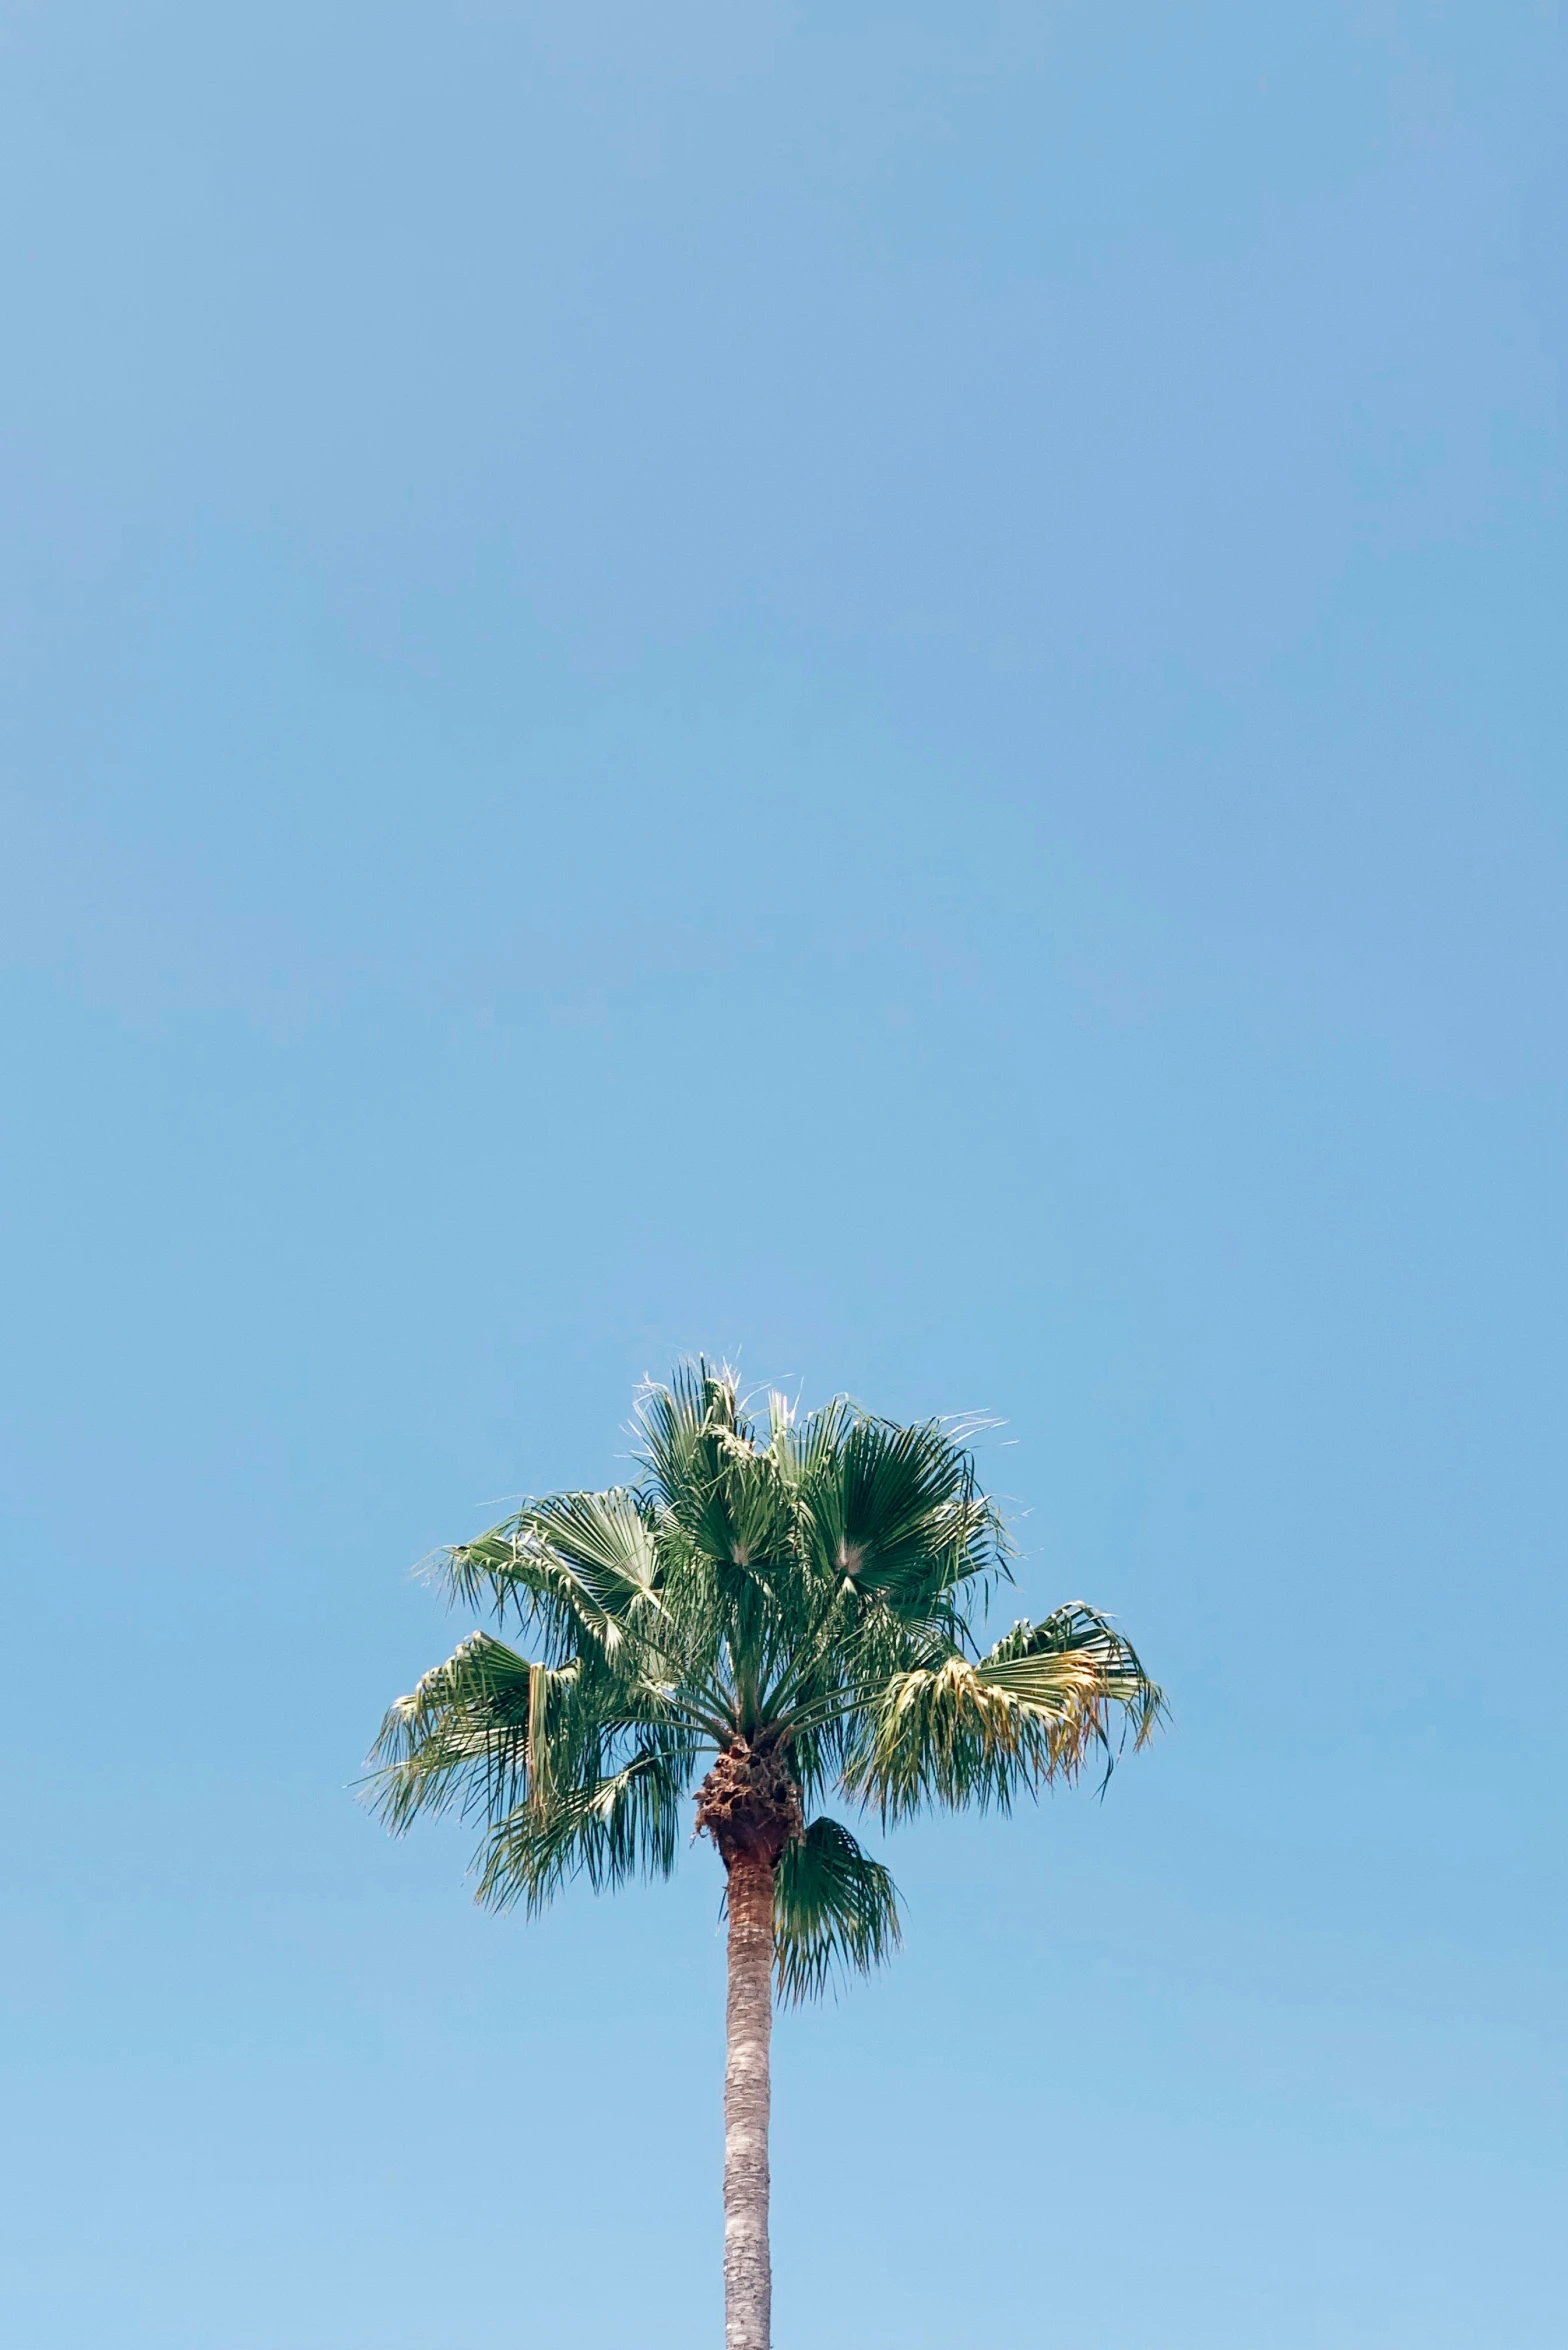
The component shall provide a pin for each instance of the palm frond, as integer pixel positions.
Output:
(466, 1721)
(626, 1823)
(834, 1909)
(571, 1564)
(569, 1768)
(897, 1512)
(956, 1732)
(679, 1427)
(1081, 1632)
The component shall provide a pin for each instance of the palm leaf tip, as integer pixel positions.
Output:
(835, 1910)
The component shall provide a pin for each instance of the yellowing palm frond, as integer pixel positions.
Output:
(956, 1732)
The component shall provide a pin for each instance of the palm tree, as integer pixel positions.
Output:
(756, 1620)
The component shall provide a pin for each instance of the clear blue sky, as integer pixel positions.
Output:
(879, 687)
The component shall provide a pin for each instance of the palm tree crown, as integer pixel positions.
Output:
(757, 1620)
(788, 1608)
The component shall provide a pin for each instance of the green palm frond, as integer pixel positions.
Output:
(684, 1431)
(834, 1908)
(466, 1720)
(572, 1563)
(804, 1446)
(625, 1823)
(571, 1769)
(896, 1511)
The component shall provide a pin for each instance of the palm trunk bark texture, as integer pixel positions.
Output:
(748, 2272)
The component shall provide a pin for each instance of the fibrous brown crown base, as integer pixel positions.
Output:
(750, 1805)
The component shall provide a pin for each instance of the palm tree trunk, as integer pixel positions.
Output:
(748, 2272)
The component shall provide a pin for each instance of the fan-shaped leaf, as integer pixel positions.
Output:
(834, 1907)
